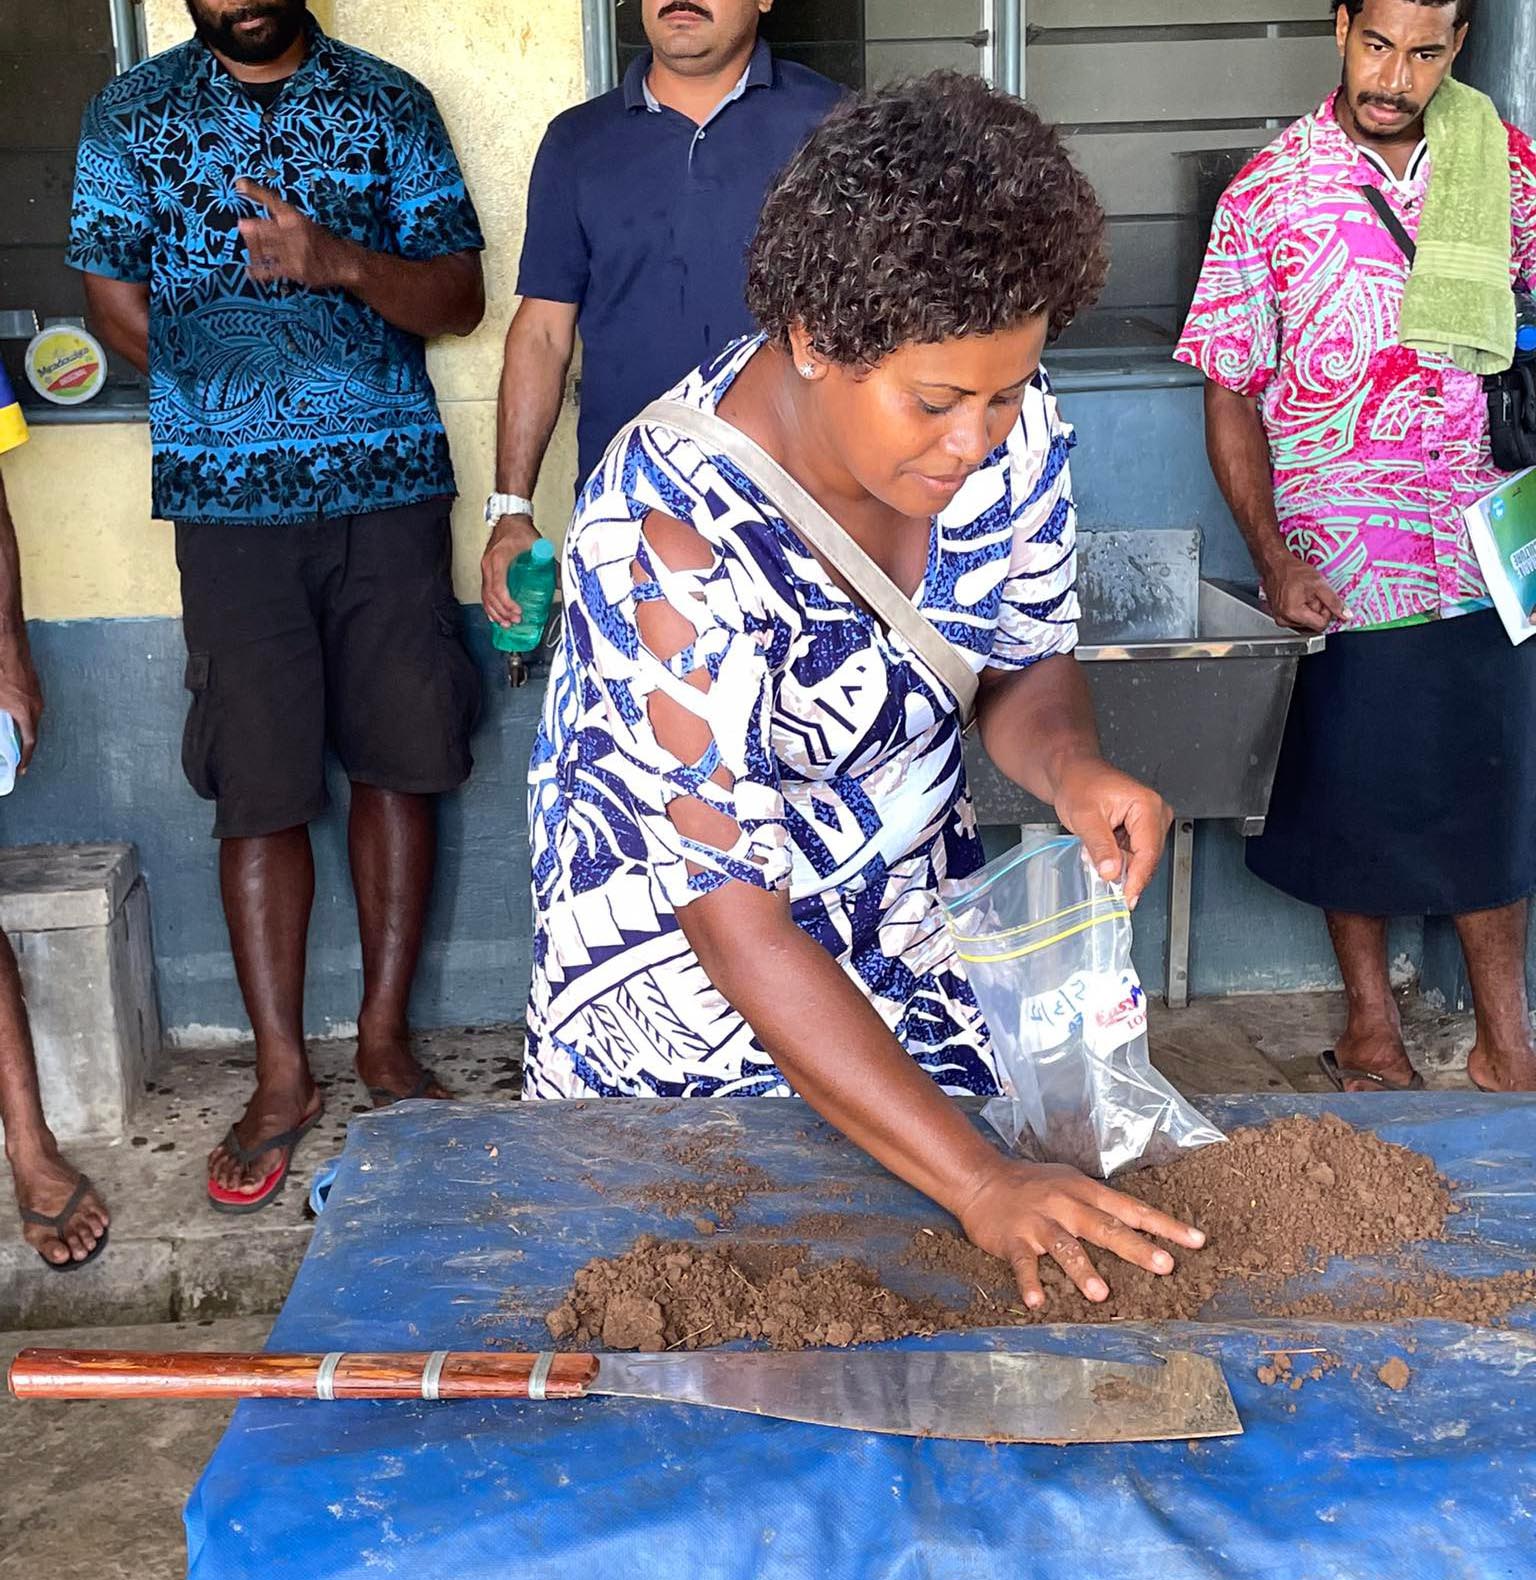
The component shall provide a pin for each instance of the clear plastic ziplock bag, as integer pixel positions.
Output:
(1046, 946)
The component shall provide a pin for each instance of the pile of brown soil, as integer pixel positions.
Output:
(1480, 1302)
(665, 1295)
(1274, 1202)
(729, 1180)
(1281, 1196)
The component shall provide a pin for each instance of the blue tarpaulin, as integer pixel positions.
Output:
(454, 1226)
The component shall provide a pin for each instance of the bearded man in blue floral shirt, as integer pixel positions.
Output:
(271, 224)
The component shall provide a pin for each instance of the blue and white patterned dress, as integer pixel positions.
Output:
(842, 749)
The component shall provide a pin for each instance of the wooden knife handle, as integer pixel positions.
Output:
(126, 1374)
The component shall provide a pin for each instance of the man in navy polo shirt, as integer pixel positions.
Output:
(271, 224)
(640, 210)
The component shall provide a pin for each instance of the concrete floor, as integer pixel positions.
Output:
(171, 1256)
(1271, 1043)
(94, 1491)
(75, 1503)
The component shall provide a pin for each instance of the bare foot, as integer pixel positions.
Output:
(1382, 1053)
(44, 1185)
(1503, 1072)
(385, 1064)
(273, 1109)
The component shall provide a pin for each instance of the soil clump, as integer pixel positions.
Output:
(1283, 1369)
(1395, 1374)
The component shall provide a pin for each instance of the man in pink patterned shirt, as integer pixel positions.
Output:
(1407, 784)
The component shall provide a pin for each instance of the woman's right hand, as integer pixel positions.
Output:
(1024, 1211)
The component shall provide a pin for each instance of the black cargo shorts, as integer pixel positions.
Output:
(342, 633)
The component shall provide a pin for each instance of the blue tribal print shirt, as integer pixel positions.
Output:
(270, 402)
(843, 769)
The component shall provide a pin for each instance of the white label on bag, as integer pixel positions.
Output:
(1107, 1009)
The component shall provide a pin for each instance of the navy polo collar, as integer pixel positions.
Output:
(759, 74)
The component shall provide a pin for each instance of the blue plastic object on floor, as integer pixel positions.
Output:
(320, 1189)
(452, 1226)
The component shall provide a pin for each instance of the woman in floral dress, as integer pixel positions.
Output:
(747, 793)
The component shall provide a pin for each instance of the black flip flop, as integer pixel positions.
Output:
(238, 1203)
(1338, 1073)
(41, 1220)
(382, 1097)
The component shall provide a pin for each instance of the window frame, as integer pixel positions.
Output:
(130, 45)
(1072, 368)
(130, 40)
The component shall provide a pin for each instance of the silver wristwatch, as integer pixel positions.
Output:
(499, 505)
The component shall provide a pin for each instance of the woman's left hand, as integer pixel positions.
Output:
(1123, 825)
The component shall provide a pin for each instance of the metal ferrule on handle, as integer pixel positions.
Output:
(973, 1396)
(441, 1375)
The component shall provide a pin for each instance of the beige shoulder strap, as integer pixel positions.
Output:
(889, 602)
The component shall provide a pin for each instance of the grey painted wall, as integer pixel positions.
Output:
(109, 769)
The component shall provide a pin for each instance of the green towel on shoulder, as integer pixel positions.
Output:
(1458, 301)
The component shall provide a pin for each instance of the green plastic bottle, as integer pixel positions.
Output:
(531, 586)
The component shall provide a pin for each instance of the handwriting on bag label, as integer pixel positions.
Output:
(1107, 1009)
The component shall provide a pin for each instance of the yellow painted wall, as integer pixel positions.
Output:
(500, 69)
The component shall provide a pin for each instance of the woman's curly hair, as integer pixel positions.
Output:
(926, 211)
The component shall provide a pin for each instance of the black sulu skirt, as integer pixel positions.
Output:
(1407, 780)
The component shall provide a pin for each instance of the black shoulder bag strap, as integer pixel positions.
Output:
(1388, 217)
(1511, 396)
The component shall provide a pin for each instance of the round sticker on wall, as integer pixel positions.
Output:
(66, 365)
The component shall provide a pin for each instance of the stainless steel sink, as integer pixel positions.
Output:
(1198, 717)
(1195, 706)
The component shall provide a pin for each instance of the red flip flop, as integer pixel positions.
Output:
(231, 1201)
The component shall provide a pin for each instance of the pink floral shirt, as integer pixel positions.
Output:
(1377, 450)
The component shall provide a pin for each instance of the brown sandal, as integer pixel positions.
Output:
(1340, 1073)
